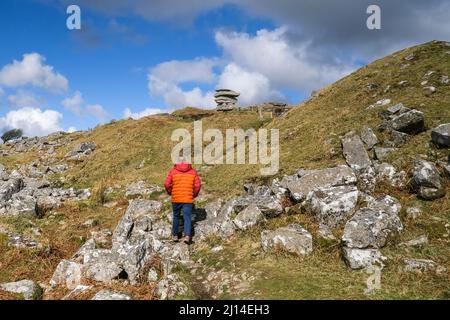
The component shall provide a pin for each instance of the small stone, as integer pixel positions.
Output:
(111, 295)
(413, 212)
(415, 242)
(429, 90)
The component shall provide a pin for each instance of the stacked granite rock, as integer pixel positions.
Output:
(226, 99)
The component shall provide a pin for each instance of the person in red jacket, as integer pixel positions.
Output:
(183, 184)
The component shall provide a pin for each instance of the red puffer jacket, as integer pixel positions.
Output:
(183, 183)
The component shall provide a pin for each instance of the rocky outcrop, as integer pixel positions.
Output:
(299, 186)
(24, 196)
(369, 138)
(67, 274)
(354, 152)
(410, 122)
(332, 206)
(226, 99)
(426, 181)
(368, 230)
(248, 217)
(81, 151)
(169, 287)
(136, 240)
(387, 172)
(293, 238)
(358, 160)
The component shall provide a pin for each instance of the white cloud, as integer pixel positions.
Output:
(31, 70)
(254, 87)
(165, 79)
(258, 66)
(74, 103)
(97, 111)
(32, 121)
(271, 54)
(180, 71)
(127, 113)
(23, 99)
(71, 129)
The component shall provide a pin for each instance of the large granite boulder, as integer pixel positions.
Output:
(300, 187)
(411, 122)
(293, 238)
(67, 274)
(248, 217)
(354, 152)
(332, 206)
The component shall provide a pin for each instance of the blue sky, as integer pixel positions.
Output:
(139, 57)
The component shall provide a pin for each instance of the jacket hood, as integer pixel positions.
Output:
(183, 166)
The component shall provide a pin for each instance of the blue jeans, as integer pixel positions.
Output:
(187, 209)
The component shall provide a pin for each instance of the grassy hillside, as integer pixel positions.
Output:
(309, 138)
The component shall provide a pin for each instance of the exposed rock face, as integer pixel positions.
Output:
(111, 295)
(249, 217)
(362, 258)
(169, 287)
(369, 137)
(24, 196)
(354, 152)
(67, 274)
(387, 172)
(358, 159)
(370, 228)
(29, 289)
(81, 150)
(136, 240)
(39, 144)
(397, 139)
(332, 206)
(300, 187)
(368, 231)
(426, 181)
(441, 135)
(293, 238)
(226, 99)
(411, 122)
